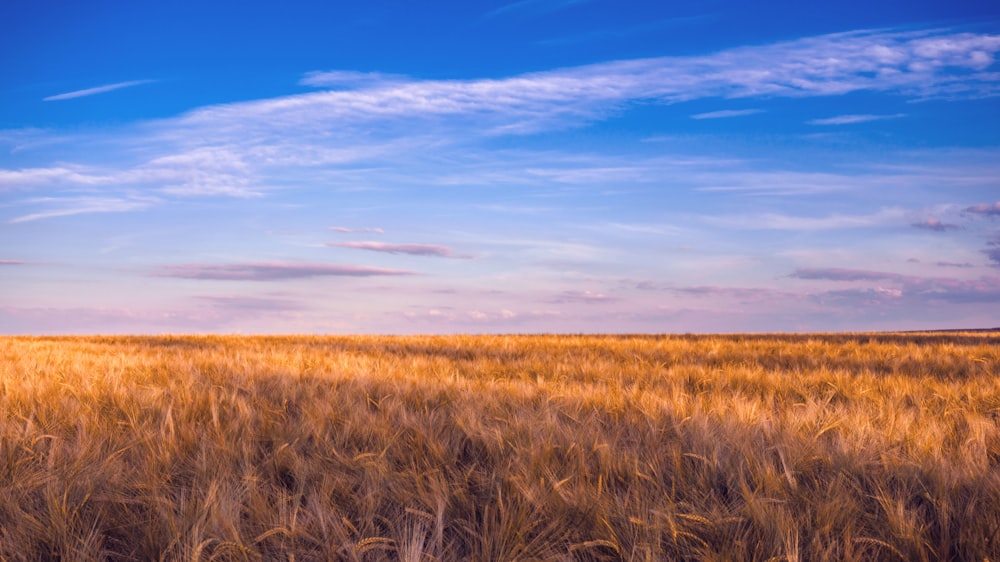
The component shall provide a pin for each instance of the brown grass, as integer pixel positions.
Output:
(814, 447)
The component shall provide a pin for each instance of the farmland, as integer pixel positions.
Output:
(737, 447)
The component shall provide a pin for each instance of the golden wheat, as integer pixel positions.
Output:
(769, 447)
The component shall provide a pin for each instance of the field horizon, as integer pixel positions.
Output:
(770, 446)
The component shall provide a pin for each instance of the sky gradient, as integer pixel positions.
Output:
(527, 166)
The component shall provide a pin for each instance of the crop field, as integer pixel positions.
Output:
(489, 448)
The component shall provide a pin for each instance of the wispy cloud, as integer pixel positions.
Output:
(862, 298)
(68, 206)
(913, 288)
(347, 230)
(27, 178)
(551, 169)
(778, 221)
(652, 229)
(244, 149)
(97, 90)
(743, 294)
(29, 138)
(11, 262)
(412, 249)
(849, 119)
(845, 274)
(985, 209)
(271, 271)
(474, 317)
(585, 297)
(884, 290)
(724, 113)
(203, 171)
(350, 79)
(431, 147)
(918, 64)
(251, 303)
(935, 225)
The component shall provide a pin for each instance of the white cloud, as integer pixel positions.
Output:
(849, 119)
(27, 178)
(726, 113)
(386, 130)
(348, 79)
(177, 175)
(62, 207)
(97, 90)
(778, 221)
(348, 230)
(915, 64)
(652, 229)
(411, 249)
(31, 138)
(271, 271)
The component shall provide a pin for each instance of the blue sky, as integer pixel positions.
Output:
(491, 166)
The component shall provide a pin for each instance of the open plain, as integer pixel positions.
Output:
(738, 447)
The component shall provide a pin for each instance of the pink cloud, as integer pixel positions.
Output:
(250, 303)
(450, 316)
(745, 294)
(11, 262)
(916, 289)
(861, 300)
(985, 209)
(842, 274)
(935, 225)
(411, 249)
(271, 271)
(586, 297)
(347, 230)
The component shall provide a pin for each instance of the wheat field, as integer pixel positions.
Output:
(490, 448)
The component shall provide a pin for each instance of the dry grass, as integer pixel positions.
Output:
(821, 447)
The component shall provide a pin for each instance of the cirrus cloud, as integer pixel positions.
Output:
(344, 79)
(851, 119)
(919, 64)
(97, 90)
(271, 271)
(584, 297)
(69, 206)
(935, 225)
(411, 249)
(250, 303)
(722, 114)
(348, 230)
